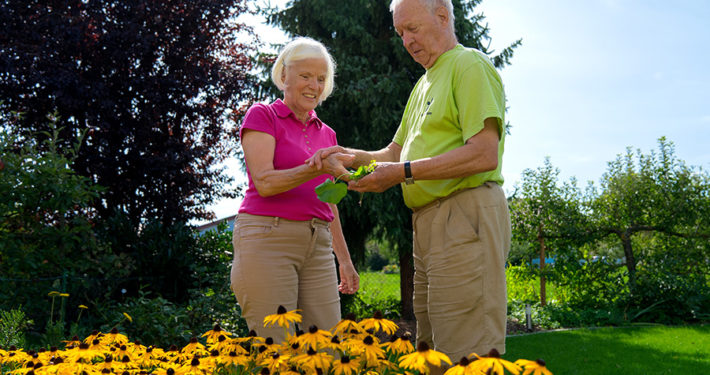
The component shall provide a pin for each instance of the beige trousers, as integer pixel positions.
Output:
(461, 244)
(284, 262)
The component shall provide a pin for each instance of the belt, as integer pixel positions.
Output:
(437, 202)
(276, 220)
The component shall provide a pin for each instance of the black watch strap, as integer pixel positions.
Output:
(408, 178)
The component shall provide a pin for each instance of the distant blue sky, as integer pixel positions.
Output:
(594, 77)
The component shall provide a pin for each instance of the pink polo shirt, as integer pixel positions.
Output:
(295, 142)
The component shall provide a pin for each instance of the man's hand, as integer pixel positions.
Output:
(382, 178)
(335, 164)
(317, 158)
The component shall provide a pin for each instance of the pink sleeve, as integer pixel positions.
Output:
(258, 117)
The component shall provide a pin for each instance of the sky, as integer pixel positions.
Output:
(590, 79)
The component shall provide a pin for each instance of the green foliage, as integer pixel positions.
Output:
(12, 326)
(332, 192)
(46, 230)
(365, 308)
(375, 262)
(156, 83)
(156, 321)
(652, 193)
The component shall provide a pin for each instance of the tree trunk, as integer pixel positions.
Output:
(543, 291)
(630, 260)
(406, 284)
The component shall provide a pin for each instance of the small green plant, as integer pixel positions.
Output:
(333, 191)
(54, 331)
(12, 326)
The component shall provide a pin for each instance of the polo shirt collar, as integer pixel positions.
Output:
(283, 111)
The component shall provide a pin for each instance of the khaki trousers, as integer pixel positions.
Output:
(284, 262)
(461, 243)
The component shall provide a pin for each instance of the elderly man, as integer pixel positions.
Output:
(447, 156)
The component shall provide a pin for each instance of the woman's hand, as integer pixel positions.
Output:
(349, 279)
(317, 158)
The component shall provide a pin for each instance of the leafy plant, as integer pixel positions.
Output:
(154, 320)
(334, 191)
(12, 326)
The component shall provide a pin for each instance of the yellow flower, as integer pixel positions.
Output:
(53, 293)
(83, 307)
(533, 367)
(94, 335)
(192, 349)
(128, 317)
(378, 323)
(235, 359)
(230, 345)
(495, 363)
(463, 368)
(169, 370)
(82, 353)
(420, 359)
(345, 325)
(312, 360)
(276, 362)
(63, 295)
(194, 368)
(282, 317)
(315, 338)
(113, 337)
(74, 342)
(371, 350)
(346, 366)
(213, 334)
(400, 345)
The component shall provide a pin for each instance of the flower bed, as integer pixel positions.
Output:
(348, 348)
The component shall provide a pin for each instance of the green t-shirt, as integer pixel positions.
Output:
(447, 107)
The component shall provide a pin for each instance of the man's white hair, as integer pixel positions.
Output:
(432, 5)
(299, 49)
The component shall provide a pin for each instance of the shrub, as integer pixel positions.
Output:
(12, 326)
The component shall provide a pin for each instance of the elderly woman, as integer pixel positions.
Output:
(284, 237)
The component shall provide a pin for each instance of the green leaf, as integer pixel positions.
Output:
(331, 192)
(359, 173)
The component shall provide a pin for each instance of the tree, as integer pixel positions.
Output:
(154, 83)
(547, 216)
(45, 226)
(374, 78)
(653, 193)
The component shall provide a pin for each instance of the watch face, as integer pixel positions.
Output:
(409, 180)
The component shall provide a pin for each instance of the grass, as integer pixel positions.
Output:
(636, 350)
(378, 286)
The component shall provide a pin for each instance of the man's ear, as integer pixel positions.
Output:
(442, 14)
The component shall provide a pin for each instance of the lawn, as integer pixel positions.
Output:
(636, 350)
(378, 286)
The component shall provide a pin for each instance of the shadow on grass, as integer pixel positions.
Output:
(632, 350)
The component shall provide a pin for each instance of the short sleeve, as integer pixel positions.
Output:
(479, 95)
(260, 118)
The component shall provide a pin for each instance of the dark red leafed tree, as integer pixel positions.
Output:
(157, 84)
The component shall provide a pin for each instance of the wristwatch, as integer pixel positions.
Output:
(408, 178)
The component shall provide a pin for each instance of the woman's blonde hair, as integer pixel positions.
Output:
(299, 49)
